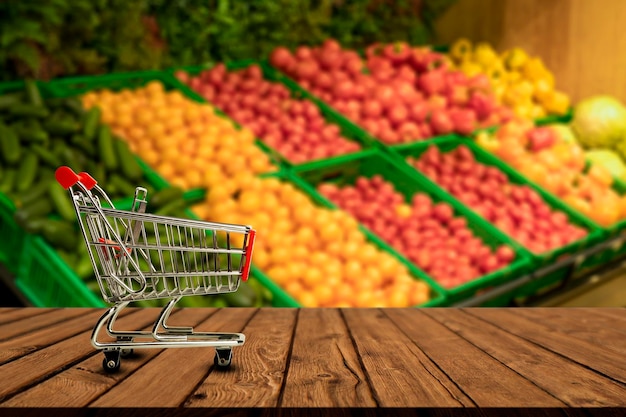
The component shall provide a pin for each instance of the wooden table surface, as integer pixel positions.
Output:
(448, 358)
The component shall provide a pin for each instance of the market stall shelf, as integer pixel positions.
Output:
(332, 358)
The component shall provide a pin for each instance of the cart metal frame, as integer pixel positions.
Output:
(141, 256)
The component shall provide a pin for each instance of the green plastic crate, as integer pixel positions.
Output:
(370, 163)
(348, 130)
(47, 281)
(12, 242)
(282, 299)
(538, 260)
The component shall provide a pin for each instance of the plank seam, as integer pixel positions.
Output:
(212, 367)
(43, 326)
(496, 359)
(436, 366)
(617, 381)
(136, 369)
(39, 312)
(45, 346)
(356, 349)
(46, 377)
(279, 400)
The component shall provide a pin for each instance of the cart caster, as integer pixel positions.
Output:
(124, 353)
(111, 361)
(223, 357)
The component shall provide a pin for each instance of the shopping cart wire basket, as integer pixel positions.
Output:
(142, 256)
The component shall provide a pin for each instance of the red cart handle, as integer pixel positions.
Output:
(246, 268)
(68, 178)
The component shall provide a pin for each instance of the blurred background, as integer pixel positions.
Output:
(390, 153)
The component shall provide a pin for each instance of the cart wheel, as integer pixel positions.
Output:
(111, 361)
(223, 357)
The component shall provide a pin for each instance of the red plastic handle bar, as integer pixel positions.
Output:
(67, 178)
(87, 180)
(246, 268)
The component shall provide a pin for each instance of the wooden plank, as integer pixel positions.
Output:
(20, 313)
(469, 367)
(259, 366)
(30, 369)
(29, 324)
(175, 371)
(573, 384)
(325, 369)
(586, 324)
(399, 373)
(593, 355)
(618, 314)
(39, 339)
(83, 383)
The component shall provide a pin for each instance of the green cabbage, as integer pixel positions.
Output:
(608, 159)
(600, 122)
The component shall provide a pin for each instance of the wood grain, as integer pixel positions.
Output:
(564, 379)
(31, 323)
(581, 324)
(469, 367)
(57, 357)
(603, 360)
(167, 379)
(325, 370)
(83, 383)
(399, 373)
(14, 314)
(582, 42)
(258, 366)
(31, 342)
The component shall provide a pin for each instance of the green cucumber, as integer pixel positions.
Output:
(7, 182)
(171, 208)
(165, 196)
(84, 268)
(46, 157)
(61, 127)
(106, 148)
(27, 172)
(91, 121)
(23, 109)
(33, 134)
(8, 100)
(61, 201)
(60, 234)
(81, 142)
(32, 91)
(71, 158)
(10, 145)
(38, 191)
(122, 186)
(128, 163)
(28, 213)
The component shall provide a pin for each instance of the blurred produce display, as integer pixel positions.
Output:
(293, 126)
(62, 37)
(279, 140)
(559, 165)
(520, 81)
(397, 93)
(184, 141)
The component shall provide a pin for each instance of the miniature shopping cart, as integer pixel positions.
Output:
(141, 256)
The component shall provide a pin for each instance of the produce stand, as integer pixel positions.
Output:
(31, 259)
